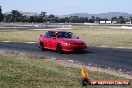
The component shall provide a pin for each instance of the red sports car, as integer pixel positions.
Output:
(61, 41)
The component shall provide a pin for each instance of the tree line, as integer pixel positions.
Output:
(16, 16)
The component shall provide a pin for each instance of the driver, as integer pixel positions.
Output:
(53, 34)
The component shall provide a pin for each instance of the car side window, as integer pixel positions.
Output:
(47, 35)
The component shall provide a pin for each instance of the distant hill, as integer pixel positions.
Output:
(29, 13)
(25, 13)
(101, 15)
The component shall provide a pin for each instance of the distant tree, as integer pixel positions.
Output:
(105, 19)
(91, 21)
(42, 17)
(60, 20)
(25, 18)
(43, 14)
(130, 19)
(16, 16)
(97, 19)
(75, 19)
(51, 18)
(114, 18)
(1, 15)
(86, 19)
(56, 20)
(93, 18)
(7, 17)
(39, 19)
(81, 19)
(66, 19)
(33, 19)
(121, 20)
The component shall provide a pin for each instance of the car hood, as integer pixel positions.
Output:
(71, 40)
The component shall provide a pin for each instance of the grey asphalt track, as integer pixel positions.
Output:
(18, 26)
(113, 58)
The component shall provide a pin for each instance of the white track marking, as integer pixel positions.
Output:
(122, 27)
(30, 42)
(6, 41)
(41, 29)
(50, 29)
(115, 47)
(23, 42)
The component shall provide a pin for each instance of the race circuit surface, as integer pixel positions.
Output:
(113, 58)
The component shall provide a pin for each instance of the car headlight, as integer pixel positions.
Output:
(67, 44)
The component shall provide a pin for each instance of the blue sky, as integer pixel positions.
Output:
(63, 7)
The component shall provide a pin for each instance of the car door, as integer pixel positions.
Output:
(53, 42)
(47, 38)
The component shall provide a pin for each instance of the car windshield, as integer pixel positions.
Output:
(66, 35)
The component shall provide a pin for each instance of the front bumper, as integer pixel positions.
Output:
(75, 48)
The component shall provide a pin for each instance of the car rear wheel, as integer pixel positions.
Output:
(41, 46)
(59, 49)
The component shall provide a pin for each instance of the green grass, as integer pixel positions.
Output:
(96, 36)
(28, 71)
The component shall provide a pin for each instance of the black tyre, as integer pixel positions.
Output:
(85, 82)
(59, 49)
(41, 46)
(85, 51)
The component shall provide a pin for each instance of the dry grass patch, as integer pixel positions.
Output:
(96, 36)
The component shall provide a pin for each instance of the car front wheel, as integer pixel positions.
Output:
(85, 51)
(59, 49)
